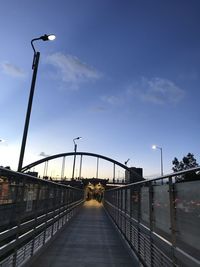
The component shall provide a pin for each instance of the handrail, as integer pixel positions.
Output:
(5, 171)
(159, 220)
(32, 210)
(196, 169)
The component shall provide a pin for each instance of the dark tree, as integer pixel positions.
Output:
(190, 162)
(178, 165)
(186, 163)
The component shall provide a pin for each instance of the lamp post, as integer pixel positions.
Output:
(36, 57)
(75, 149)
(161, 157)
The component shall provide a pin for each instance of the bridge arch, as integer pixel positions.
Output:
(31, 165)
(46, 159)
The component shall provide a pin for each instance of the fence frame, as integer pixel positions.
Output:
(32, 224)
(152, 248)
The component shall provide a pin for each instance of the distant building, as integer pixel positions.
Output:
(134, 175)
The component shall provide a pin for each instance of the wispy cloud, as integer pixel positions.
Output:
(157, 91)
(114, 100)
(98, 109)
(70, 69)
(12, 70)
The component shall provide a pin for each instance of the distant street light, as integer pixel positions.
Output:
(161, 157)
(75, 149)
(35, 64)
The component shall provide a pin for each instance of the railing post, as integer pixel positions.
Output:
(47, 194)
(172, 218)
(125, 212)
(115, 204)
(35, 217)
(121, 205)
(131, 212)
(59, 208)
(19, 201)
(114, 173)
(139, 217)
(118, 208)
(151, 220)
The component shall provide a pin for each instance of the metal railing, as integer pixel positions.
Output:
(32, 211)
(160, 218)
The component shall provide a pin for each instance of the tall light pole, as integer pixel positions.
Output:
(161, 158)
(36, 57)
(75, 149)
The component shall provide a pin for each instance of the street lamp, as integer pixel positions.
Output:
(36, 57)
(161, 157)
(75, 149)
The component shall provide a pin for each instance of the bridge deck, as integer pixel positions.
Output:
(89, 240)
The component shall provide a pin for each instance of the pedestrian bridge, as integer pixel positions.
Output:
(148, 223)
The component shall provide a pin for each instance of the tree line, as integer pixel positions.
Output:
(187, 162)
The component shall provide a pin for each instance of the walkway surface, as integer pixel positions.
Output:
(90, 240)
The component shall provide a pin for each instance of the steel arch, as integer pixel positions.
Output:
(27, 167)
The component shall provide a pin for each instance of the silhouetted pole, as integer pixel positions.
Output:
(35, 64)
(161, 158)
(161, 161)
(28, 113)
(80, 167)
(75, 149)
(63, 168)
(97, 173)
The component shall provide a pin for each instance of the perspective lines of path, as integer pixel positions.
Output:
(90, 240)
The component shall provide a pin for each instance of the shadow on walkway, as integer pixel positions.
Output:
(90, 240)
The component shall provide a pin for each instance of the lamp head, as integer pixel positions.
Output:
(77, 138)
(49, 37)
(154, 147)
(45, 37)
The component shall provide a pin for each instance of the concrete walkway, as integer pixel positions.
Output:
(90, 240)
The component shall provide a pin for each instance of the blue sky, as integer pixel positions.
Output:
(122, 74)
